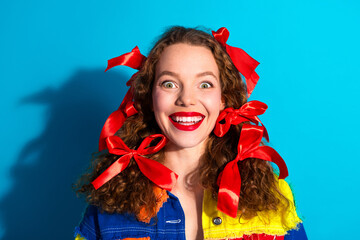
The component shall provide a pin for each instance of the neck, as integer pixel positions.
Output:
(184, 162)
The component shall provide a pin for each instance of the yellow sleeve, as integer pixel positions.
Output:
(269, 222)
(78, 237)
(291, 217)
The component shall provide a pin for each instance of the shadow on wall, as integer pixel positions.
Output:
(42, 204)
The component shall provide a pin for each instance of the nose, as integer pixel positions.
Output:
(186, 98)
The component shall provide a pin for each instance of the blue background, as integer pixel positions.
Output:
(55, 98)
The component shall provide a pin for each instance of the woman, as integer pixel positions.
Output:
(188, 79)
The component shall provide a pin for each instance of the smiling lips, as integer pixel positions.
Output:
(186, 121)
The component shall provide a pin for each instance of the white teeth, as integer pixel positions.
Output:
(187, 120)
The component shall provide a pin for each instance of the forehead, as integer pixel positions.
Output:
(187, 59)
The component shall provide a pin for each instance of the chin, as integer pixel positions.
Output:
(184, 143)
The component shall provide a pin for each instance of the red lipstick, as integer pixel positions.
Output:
(185, 116)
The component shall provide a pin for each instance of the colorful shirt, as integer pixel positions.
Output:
(169, 222)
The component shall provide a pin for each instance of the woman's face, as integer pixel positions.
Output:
(186, 94)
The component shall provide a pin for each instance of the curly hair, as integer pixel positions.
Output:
(130, 190)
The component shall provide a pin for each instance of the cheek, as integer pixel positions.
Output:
(160, 102)
(214, 102)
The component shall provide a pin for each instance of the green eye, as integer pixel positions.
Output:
(205, 85)
(168, 84)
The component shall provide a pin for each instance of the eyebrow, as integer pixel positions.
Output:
(168, 73)
(207, 73)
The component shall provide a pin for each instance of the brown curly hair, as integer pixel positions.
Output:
(130, 190)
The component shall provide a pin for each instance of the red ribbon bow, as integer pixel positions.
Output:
(245, 64)
(155, 171)
(229, 180)
(133, 59)
(247, 112)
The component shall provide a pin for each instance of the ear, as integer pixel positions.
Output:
(222, 104)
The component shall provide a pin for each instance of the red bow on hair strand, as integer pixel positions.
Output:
(229, 179)
(113, 123)
(155, 171)
(133, 59)
(245, 64)
(247, 112)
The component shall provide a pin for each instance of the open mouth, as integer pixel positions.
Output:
(186, 121)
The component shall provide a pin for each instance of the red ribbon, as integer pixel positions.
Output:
(155, 171)
(133, 59)
(245, 64)
(229, 180)
(247, 112)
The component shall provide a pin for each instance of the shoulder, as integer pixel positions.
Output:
(273, 223)
(167, 224)
(285, 190)
(97, 224)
